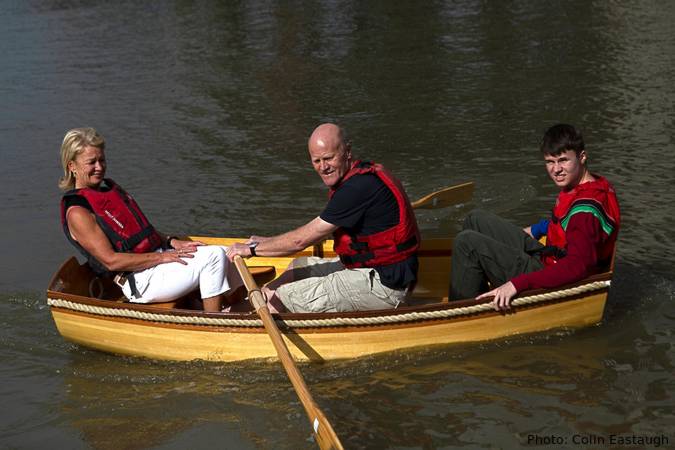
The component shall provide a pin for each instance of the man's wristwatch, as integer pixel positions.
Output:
(252, 247)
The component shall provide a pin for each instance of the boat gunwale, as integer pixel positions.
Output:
(286, 320)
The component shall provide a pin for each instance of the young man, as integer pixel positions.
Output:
(580, 236)
(375, 233)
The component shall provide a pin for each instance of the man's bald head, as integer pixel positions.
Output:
(330, 153)
(328, 135)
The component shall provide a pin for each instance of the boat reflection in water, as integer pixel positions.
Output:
(134, 403)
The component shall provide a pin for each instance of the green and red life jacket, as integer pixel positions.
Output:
(120, 218)
(595, 197)
(390, 246)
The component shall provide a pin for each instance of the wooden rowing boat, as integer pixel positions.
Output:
(91, 312)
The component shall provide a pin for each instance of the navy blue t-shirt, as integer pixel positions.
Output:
(364, 205)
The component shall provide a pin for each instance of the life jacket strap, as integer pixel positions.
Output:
(348, 260)
(132, 284)
(358, 246)
(548, 250)
(403, 246)
(410, 243)
(128, 244)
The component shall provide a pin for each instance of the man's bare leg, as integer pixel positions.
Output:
(235, 301)
(213, 304)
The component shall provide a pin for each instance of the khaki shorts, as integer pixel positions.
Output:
(326, 285)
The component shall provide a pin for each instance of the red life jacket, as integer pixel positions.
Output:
(120, 218)
(390, 246)
(595, 197)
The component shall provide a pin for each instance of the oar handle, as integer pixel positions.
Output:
(323, 431)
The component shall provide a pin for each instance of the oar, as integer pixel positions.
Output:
(323, 431)
(452, 195)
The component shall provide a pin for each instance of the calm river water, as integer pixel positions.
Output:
(206, 107)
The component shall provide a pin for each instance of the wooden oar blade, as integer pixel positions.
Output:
(453, 195)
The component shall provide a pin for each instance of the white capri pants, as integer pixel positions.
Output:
(209, 269)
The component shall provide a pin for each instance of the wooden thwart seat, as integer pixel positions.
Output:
(261, 272)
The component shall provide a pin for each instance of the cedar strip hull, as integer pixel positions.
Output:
(168, 340)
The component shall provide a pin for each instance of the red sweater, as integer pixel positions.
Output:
(584, 235)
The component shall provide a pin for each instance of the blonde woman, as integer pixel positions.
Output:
(108, 227)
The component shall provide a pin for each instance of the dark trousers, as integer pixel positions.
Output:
(490, 249)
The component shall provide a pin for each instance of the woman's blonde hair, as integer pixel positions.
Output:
(73, 144)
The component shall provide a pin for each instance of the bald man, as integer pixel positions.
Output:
(374, 229)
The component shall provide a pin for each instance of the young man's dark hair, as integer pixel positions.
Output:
(560, 138)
